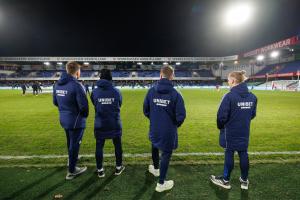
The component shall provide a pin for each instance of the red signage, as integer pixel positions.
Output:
(277, 45)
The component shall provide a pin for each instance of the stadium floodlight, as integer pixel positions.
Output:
(260, 57)
(152, 63)
(178, 63)
(139, 63)
(165, 63)
(274, 54)
(86, 63)
(59, 63)
(46, 63)
(238, 14)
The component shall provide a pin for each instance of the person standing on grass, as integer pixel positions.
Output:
(34, 88)
(39, 86)
(107, 101)
(70, 98)
(23, 86)
(237, 109)
(164, 106)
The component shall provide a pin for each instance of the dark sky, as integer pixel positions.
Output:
(139, 28)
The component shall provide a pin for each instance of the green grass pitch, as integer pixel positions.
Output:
(29, 126)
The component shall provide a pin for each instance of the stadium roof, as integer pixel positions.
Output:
(288, 43)
(119, 59)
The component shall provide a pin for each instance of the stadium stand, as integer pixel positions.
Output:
(281, 68)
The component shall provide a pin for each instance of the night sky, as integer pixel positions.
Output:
(139, 28)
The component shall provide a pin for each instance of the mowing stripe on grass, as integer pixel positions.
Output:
(145, 155)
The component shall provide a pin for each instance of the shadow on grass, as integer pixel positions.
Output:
(159, 195)
(61, 183)
(31, 185)
(82, 187)
(149, 180)
(101, 187)
(244, 195)
(220, 192)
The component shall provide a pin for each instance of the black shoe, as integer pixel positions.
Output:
(100, 173)
(119, 171)
(219, 180)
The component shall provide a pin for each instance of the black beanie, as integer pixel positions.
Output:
(105, 74)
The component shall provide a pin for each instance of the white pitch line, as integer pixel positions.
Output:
(146, 155)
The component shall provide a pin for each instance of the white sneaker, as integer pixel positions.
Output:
(153, 171)
(77, 172)
(100, 173)
(168, 185)
(219, 180)
(244, 184)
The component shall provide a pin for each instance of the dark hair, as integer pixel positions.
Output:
(105, 74)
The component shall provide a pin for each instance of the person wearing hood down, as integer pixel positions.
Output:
(70, 98)
(237, 109)
(164, 106)
(107, 101)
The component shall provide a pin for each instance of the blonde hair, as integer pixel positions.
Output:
(167, 71)
(72, 67)
(239, 76)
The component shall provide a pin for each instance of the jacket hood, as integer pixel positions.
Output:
(241, 89)
(164, 86)
(104, 84)
(65, 78)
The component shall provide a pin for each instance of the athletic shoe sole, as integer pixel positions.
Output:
(228, 187)
(151, 172)
(72, 176)
(101, 176)
(243, 187)
(120, 172)
(159, 189)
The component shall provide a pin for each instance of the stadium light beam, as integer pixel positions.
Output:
(46, 63)
(139, 63)
(274, 54)
(260, 57)
(165, 63)
(59, 63)
(86, 63)
(238, 14)
(178, 63)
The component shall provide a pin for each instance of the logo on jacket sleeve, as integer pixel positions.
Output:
(161, 102)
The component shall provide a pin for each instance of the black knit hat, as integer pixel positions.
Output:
(105, 74)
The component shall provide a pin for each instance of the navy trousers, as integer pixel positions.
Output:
(164, 162)
(74, 137)
(99, 151)
(229, 164)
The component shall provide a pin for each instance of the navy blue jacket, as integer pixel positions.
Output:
(107, 101)
(70, 98)
(237, 109)
(23, 86)
(164, 106)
